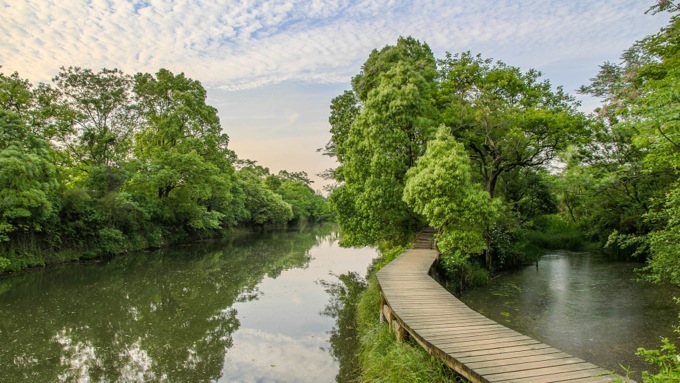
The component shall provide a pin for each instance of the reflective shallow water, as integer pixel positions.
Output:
(254, 308)
(583, 304)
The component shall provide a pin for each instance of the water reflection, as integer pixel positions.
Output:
(344, 335)
(168, 316)
(583, 304)
(283, 337)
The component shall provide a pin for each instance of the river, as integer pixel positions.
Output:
(250, 308)
(584, 304)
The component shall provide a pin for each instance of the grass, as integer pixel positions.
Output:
(383, 358)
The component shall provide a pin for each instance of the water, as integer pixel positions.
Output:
(256, 308)
(585, 305)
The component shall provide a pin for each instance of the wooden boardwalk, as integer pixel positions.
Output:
(476, 347)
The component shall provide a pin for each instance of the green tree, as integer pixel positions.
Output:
(633, 163)
(385, 139)
(506, 118)
(263, 205)
(16, 94)
(440, 187)
(659, 135)
(182, 154)
(28, 180)
(91, 115)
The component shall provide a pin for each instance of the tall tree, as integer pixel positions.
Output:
(385, 138)
(28, 179)
(440, 187)
(182, 153)
(92, 115)
(633, 160)
(263, 205)
(506, 118)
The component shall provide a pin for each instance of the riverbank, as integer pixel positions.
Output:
(34, 257)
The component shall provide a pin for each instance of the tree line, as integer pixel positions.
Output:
(103, 162)
(500, 161)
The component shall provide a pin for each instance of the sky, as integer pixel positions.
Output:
(272, 67)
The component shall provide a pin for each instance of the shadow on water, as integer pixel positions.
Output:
(584, 304)
(149, 317)
(344, 335)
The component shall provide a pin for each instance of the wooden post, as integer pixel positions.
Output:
(399, 331)
(382, 305)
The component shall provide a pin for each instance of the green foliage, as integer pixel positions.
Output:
(664, 243)
(344, 110)
(460, 276)
(28, 179)
(263, 205)
(627, 177)
(555, 232)
(294, 188)
(506, 119)
(665, 358)
(509, 125)
(100, 163)
(384, 141)
(529, 192)
(90, 115)
(183, 158)
(16, 94)
(440, 188)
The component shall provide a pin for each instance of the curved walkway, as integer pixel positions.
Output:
(476, 347)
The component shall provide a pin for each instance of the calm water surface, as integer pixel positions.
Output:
(583, 304)
(255, 308)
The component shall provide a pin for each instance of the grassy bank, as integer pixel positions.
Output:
(382, 357)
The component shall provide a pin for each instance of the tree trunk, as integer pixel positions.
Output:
(487, 252)
(490, 188)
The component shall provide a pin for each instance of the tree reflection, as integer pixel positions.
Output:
(344, 336)
(158, 317)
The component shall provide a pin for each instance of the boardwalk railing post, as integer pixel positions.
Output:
(382, 307)
(399, 331)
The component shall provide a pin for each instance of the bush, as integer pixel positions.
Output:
(666, 358)
(461, 276)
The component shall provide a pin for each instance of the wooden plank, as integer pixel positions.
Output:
(532, 365)
(515, 357)
(479, 336)
(453, 348)
(553, 374)
(442, 326)
(501, 350)
(605, 378)
(483, 333)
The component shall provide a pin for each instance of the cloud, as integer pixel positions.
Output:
(247, 44)
(239, 46)
(259, 356)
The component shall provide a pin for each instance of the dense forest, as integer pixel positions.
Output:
(502, 163)
(98, 163)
